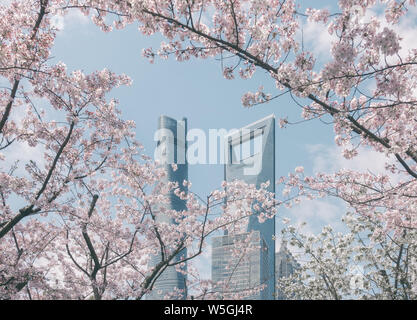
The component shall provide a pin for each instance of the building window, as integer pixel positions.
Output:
(247, 147)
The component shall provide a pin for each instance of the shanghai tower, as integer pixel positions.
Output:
(171, 149)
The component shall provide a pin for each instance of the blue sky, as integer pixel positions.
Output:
(195, 89)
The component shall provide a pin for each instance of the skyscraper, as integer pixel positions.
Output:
(285, 265)
(171, 149)
(238, 274)
(250, 156)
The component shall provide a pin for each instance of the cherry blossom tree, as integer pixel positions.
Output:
(361, 264)
(78, 207)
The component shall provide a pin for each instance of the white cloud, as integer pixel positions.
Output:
(57, 21)
(72, 19)
(328, 211)
(317, 213)
(406, 28)
(317, 210)
(76, 17)
(318, 40)
(21, 153)
(330, 159)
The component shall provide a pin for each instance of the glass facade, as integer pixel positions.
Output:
(236, 271)
(285, 265)
(172, 147)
